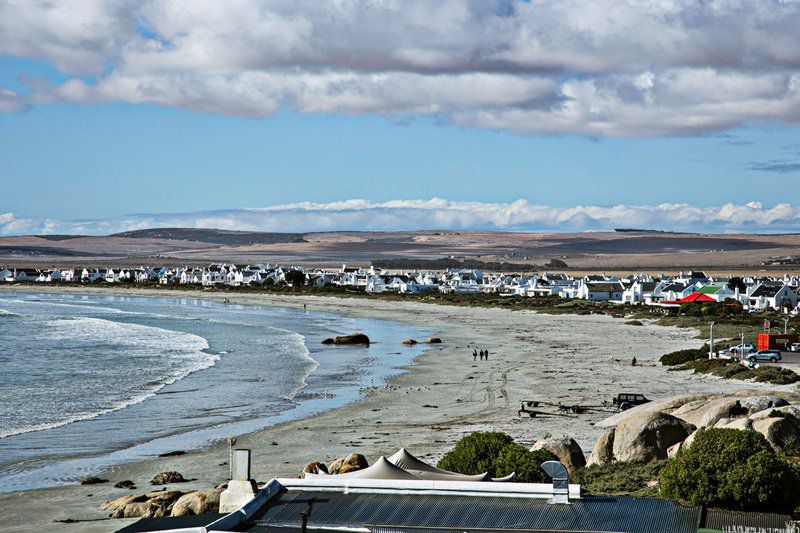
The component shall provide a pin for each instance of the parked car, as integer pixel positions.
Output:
(773, 356)
(737, 350)
(624, 401)
(794, 347)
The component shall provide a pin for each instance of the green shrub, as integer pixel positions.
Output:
(731, 469)
(527, 464)
(475, 453)
(776, 375)
(620, 478)
(683, 356)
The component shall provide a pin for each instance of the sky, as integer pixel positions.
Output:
(291, 115)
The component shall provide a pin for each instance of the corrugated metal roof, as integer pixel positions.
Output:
(718, 519)
(336, 509)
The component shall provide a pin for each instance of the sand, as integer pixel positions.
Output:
(566, 359)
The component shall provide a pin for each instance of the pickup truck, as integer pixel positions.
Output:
(773, 356)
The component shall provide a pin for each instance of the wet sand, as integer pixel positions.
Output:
(563, 359)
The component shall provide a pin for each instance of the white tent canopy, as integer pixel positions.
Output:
(421, 469)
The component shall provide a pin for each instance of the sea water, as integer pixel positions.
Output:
(87, 382)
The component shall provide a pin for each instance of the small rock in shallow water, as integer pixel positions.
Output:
(172, 454)
(126, 484)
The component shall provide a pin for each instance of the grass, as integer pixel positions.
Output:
(621, 478)
(728, 369)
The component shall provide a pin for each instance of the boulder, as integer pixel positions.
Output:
(786, 411)
(198, 502)
(755, 404)
(672, 451)
(434, 340)
(603, 451)
(568, 451)
(328, 341)
(744, 424)
(136, 510)
(351, 463)
(779, 431)
(314, 467)
(126, 484)
(120, 503)
(93, 480)
(708, 413)
(409, 342)
(648, 436)
(355, 338)
(165, 478)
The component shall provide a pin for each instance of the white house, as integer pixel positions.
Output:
(600, 291)
(775, 296)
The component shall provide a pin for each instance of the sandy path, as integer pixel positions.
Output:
(560, 358)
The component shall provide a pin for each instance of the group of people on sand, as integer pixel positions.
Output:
(483, 354)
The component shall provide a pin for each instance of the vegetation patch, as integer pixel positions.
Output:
(731, 469)
(496, 453)
(621, 478)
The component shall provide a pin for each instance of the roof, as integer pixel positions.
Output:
(337, 509)
(604, 287)
(696, 297)
(767, 290)
(736, 520)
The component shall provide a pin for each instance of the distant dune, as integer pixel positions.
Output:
(625, 250)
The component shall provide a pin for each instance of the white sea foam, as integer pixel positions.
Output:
(141, 349)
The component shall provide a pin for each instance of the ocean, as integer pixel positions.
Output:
(87, 382)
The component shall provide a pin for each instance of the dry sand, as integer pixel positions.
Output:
(558, 358)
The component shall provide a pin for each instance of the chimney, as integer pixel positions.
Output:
(560, 476)
(242, 488)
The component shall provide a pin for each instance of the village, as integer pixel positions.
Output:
(755, 293)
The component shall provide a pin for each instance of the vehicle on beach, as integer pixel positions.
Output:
(773, 356)
(624, 401)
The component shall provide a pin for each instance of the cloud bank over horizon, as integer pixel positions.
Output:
(620, 68)
(435, 214)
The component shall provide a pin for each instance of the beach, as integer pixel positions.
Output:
(563, 359)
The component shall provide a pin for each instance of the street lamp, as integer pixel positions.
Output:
(711, 341)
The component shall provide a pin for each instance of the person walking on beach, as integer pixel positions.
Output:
(521, 409)
(474, 355)
(481, 355)
(486, 355)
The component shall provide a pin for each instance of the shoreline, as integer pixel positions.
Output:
(431, 403)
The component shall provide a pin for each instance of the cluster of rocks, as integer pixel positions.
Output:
(431, 340)
(159, 503)
(342, 465)
(658, 430)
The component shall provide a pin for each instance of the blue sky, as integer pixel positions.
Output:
(100, 131)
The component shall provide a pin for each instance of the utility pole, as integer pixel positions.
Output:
(741, 352)
(711, 343)
(785, 325)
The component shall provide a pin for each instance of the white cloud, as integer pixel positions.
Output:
(597, 67)
(436, 213)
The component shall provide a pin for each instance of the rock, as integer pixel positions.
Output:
(754, 404)
(786, 410)
(568, 451)
(314, 467)
(409, 342)
(672, 451)
(198, 502)
(120, 503)
(779, 431)
(328, 341)
(135, 510)
(603, 451)
(355, 338)
(126, 484)
(93, 480)
(744, 424)
(708, 413)
(434, 340)
(165, 478)
(351, 463)
(335, 465)
(648, 436)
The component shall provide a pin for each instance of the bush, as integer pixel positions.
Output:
(475, 453)
(295, 278)
(527, 464)
(683, 356)
(620, 478)
(731, 469)
(775, 375)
